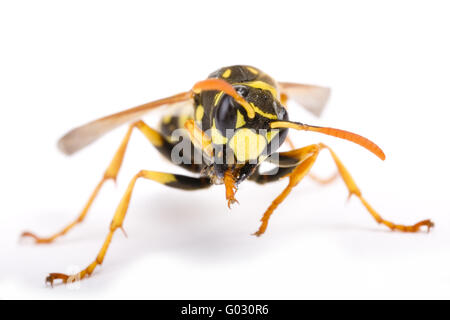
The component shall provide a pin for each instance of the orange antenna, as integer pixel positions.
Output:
(338, 133)
(222, 85)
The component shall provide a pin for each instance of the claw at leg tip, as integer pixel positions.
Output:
(231, 202)
(48, 280)
(27, 234)
(54, 276)
(430, 225)
(257, 233)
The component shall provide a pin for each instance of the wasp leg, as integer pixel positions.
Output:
(290, 143)
(311, 175)
(168, 179)
(306, 157)
(323, 181)
(354, 190)
(111, 172)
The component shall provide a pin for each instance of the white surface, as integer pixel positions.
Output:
(388, 65)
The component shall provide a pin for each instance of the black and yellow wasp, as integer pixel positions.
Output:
(232, 120)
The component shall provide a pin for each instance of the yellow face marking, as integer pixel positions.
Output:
(226, 73)
(247, 144)
(217, 98)
(271, 134)
(240, 121)
(260, 85)
(216, 135)
(252, 70)
(199, 112)
(264, 114)
(167, 118)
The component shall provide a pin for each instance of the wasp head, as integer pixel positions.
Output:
(241, 142)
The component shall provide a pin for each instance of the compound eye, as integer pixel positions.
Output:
(226, 114)
(242, 90)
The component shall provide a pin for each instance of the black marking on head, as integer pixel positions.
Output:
(226, 114)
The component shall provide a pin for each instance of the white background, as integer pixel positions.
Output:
(63, 64)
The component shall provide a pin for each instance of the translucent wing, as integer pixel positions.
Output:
(312, 98)
(80, 137)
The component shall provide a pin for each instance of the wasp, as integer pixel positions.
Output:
(234, 121)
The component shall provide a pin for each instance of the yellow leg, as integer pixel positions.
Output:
(172, 180)
(308, 156)
(354, 190)
(110, 173)
(312, 175)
